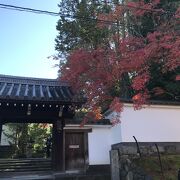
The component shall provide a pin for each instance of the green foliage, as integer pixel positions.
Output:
(38, 136)
(12, 132)
(78, 29)
(166, 81)
(18, 136)
(28, 139)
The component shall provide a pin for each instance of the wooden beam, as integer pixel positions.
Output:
(10, 90)
(26, 91)
(58, 142)
(18, 90)
(77, 129)
(57, 95)
(41, 92)
(86, 151)
(16, 110)
(34, 91)
(48, 92)
(62, 93)
(4, 86)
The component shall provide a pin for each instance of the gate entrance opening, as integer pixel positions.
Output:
(34, 100)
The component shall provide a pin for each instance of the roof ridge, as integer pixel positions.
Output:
(24, 77)
(31, 80)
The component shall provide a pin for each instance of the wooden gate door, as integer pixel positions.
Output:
(74, 151)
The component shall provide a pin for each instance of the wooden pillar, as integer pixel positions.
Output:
(57, 152)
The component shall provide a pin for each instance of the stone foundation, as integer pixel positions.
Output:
(123, 154)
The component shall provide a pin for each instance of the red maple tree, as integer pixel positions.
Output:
(97, 71)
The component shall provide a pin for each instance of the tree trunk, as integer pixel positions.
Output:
(125, 86)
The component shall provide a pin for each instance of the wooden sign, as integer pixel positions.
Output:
(75, 146)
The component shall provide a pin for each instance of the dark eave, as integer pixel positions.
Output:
(77, 121)
(35, 89)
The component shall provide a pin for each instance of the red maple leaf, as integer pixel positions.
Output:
(178, 78)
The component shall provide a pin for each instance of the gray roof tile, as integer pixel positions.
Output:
(25, 88)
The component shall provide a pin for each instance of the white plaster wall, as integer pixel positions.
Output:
(116, 136)
(99, 142)
(4, 139)
(153, 123)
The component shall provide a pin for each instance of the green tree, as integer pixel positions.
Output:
(38, 134)
(77, 27)
(28, 138)
(17, 135)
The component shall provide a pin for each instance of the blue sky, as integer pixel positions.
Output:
(27, 39)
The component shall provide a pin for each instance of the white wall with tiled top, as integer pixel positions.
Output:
(151, 124)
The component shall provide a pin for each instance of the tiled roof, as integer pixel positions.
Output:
(23, 88)
(156, 102)
(77, 121)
